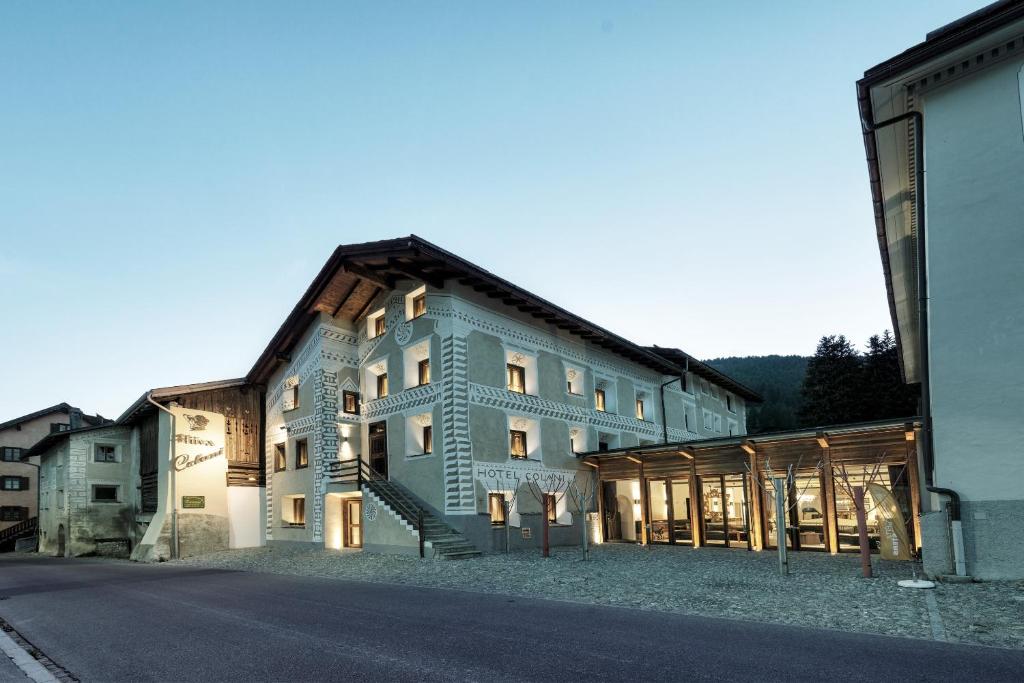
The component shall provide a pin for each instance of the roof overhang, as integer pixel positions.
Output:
(887, 91)
(702, 369)
(142, 406)
(355, 274)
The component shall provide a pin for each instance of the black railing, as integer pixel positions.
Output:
(360, 473)
(19, 530)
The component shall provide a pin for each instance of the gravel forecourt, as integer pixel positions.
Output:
(821, 590)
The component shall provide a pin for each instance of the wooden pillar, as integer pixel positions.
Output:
(644, 505)
(832, 541)
(915, 491)
(599, 494)
(756, 501)
(695, 517)
(669, 506)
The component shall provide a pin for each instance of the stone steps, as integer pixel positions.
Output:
(445, 542)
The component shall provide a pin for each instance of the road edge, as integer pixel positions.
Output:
(15, 650)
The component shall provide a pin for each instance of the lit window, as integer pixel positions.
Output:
(105, 453)
(496, 506)
(599, 399)
(423, 369)
(516, 378)
(551, 509)
(380, 326)
(350, 402)
(382, 385)
(419, 305)
(428, 439)
(280, 459)
(104, 494)
(301, 454)
(293, 511)
(639, 409)
(517, 443)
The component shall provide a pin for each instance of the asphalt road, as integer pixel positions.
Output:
(106, 621)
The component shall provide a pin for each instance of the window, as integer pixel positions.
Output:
(376, 325)
(350, 402)
(105, 453)
(9, 513)
(428, 439)
(517, 443)
(496, 506)
(686, 420)
(728, 403)
(718, 423)
(290, 398)
(639, 409)
(11, 454)
(599, 399)
(14, 483)
(59, 427)
(708, 420)
(549, 503)
(602, 446)
(419, 305)
(280, 457)
(293, 511)
(423, 371)
(380, 326)
(704, 386)
(382, 385)
(301, 454)
(516, 378)
(574, 381)
(103, 493)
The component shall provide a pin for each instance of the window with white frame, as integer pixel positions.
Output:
(419, 434)
(718, 423)
(416, 303)
(521, 372)
(10, 454)
(604, 395)
(709, 420)
(734, 428)
(293, 511)
(376, 379)
(416, 363)
(704, 387)
(729, 403)
(642, 406)
(376, 324)
(574, 381)
(578, 439)
(523, 438)
(290, 393)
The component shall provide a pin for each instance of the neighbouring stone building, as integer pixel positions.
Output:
(18, 478)
(945, 151)
(178, 474)
(410, 384)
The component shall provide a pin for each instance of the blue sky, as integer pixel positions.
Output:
(174, 174)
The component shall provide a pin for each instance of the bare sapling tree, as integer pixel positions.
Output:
(549, 492)
(582, 496)
(776, 486)
(508, 490)
(856, 490)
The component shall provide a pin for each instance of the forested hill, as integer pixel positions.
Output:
(778, 379)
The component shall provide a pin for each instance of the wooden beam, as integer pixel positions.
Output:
(344, 299)
(366, 306)
(688, 456)
(822, 439)
(747, 447)
(696, 522)
(633, 458)
(830, 503)
(591, 464)
(755, 505)
(414, 272)
(367, 274)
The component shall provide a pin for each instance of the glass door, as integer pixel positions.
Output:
(682, 526)
(657, 494)
(735, 509)
(714, 510)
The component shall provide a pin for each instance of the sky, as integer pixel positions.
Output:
(173, 175)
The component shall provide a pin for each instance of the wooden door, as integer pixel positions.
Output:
(379, 448)
(353, 522)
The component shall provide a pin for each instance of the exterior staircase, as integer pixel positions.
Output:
(434, 533)
(445, 542)
(22, 529)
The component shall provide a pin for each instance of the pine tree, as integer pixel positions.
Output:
(833, 386)
(885, 395)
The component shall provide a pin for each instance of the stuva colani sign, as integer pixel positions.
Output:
(200, 464)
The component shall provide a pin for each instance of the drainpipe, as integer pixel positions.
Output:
(922, 318)
(956, 525)
(172, 482)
